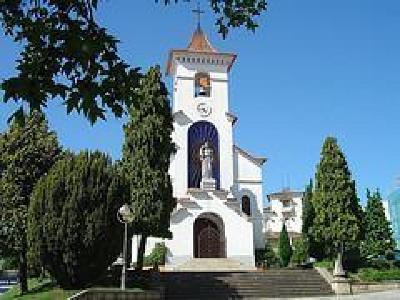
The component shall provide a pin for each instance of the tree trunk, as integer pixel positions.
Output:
(23, 269)
(141, 251)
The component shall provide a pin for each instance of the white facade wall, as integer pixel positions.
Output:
(248, 182)
(291, 215)
(186, 113)
(238, 231)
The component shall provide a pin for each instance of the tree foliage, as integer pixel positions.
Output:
(27, 152)
(73, 229)
(68, 54)
(300, 251)
(231, 14)
(338, 215)
(146, 158)
(314, 248)
(284, 247)
(378, 238)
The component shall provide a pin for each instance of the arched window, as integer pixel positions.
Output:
(202, 85)
(246, 208)
(200, 133)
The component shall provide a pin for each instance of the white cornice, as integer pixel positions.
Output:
(257, 160)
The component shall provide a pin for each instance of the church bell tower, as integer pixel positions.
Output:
(200, 75)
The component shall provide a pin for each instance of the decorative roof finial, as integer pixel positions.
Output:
(198, 12)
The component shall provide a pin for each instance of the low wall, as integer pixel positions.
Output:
(354, 287)
(359, 287)
(117, 294)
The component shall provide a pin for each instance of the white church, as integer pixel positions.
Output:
(218, 185)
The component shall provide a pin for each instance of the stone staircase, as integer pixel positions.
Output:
(215, 264)
(244, 285)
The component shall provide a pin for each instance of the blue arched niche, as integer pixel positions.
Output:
(199, 133)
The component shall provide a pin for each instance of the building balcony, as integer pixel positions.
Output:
(288, 210)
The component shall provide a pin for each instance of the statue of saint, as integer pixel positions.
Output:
(206, 158)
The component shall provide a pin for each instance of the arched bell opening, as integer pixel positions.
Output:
(202, 85)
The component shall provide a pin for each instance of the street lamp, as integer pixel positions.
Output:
(125, 216)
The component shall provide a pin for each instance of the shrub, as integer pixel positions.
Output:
(8, 263)
(284, 248)
(300, 253)
(157, 255)
(369, 274)
(378, 264)
(270, 258)
(73, 229)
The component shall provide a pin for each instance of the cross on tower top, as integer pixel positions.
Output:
(198, 12)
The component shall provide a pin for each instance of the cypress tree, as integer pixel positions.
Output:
(28, 150)
(284, 248)
(378, 238)
(338, 215)
(308, 209)
(146, 157)
(314, 249)
(73, 229)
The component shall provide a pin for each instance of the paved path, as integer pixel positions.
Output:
(386, 295)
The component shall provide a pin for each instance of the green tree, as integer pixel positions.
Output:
(378, 238)
(300, 250)
(270, 258)
(73, 229)
(27, 152)
(338, 215)
(284, 248)
(146, 158)
(63, 39)
(308, 209)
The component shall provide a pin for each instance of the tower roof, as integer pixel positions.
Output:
(200, 45)
(200, 42)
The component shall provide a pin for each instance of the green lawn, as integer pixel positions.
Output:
(44, 290)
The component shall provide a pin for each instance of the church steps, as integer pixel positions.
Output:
(214, 264)
(245, 285)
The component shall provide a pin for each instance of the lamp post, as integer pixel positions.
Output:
(125, 216)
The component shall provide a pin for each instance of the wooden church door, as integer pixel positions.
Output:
(207, 239)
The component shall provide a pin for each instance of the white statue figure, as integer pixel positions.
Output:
(206, 158)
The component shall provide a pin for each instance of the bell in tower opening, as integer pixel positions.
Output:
(202, 85)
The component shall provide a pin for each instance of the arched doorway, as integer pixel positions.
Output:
(209, 237)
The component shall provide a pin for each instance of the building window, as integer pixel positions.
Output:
(246, 208)
(202, 85)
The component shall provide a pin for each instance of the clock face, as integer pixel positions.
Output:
(204, 109)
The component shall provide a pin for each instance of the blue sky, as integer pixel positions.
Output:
(313, 68)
